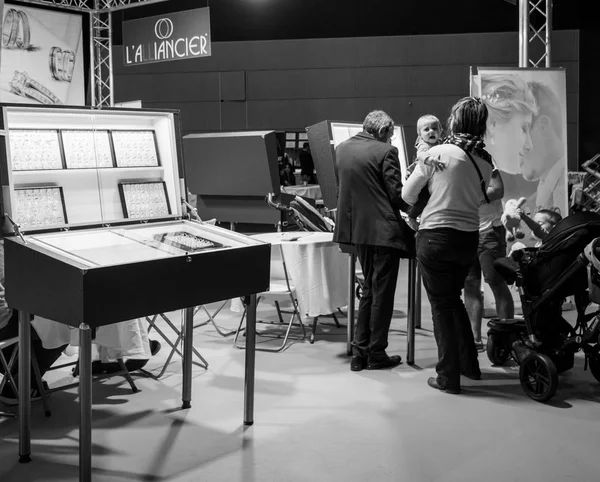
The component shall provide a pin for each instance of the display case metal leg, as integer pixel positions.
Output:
(24, 387)
(412, 305)
(250, 361)
(85, 403)
(418, 292)
(188, 349)
(351, 295)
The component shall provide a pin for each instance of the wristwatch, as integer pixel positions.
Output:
(23, 85)
(16, 33)
(62, 64)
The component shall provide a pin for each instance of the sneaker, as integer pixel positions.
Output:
(8, 396)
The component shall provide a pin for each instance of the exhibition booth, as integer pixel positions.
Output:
(105, 211)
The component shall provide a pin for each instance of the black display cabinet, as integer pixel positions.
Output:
(96, 232)
(231, 173)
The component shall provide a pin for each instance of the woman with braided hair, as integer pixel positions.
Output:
(448, 235)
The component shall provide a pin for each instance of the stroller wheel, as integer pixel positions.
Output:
(594, 361)
(539, 379)
(498, 350)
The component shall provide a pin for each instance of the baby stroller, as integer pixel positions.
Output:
(543, 343)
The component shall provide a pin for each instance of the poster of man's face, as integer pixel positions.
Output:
(526, 133)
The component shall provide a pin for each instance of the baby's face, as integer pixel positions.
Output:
(544, 221)
(430, 132)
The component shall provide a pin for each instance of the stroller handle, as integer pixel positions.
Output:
(275, 205)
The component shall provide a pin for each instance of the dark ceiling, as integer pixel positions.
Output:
(239, 20)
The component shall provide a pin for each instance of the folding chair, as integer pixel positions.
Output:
(174, 345)
(8, 377)
(308, 219)
(211, 319)
(280, 288)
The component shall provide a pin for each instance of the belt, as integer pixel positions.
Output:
(23, 85)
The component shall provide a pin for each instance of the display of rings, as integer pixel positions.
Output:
(16, 33)
(23, 85)
(62, 64)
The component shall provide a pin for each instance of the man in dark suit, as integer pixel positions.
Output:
(368, 217)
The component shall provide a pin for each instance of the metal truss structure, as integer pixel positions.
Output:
(535, 28)
(101, 65)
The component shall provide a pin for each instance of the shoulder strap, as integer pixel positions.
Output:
(481, 180)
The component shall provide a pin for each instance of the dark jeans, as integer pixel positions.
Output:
(445, 256)
(45, 357)
(380, 268)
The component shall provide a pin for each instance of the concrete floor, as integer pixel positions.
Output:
(317, 421)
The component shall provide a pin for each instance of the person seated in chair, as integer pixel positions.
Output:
(9, 328)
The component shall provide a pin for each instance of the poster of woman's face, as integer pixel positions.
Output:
(41, 60)
(526, 133)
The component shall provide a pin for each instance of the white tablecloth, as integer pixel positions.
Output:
(316, 267)
(127, 339)
(312, 191)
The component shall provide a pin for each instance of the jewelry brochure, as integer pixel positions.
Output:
(135, 148)
(87, 149)
(33, 150)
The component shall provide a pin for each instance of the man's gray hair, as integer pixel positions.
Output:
(378, 123)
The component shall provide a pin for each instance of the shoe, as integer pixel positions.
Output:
(383, 362)
(154, 347)
(358, 363)
(9, 397)
(433, 383)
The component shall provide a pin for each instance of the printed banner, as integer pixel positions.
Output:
(527, 137)
(41, 60)
(174, 36)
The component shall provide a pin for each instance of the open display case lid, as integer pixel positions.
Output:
(64, 168)
(232, 163)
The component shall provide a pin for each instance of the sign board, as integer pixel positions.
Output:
(173, 36)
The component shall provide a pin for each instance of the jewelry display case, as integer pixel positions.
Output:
(96, 231)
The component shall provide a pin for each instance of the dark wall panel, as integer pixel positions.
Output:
(301, 84)
(290, 84)
(233, 116)
(233, 85)
(168, 87)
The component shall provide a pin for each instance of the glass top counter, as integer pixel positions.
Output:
(138, 243)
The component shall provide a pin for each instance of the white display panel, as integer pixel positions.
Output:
(40, 207)
(87, 149)
(78, 156)
(34, 150)
(340, 131)
(144, 199)
(135, 149)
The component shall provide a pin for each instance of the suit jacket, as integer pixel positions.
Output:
(370, 196)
